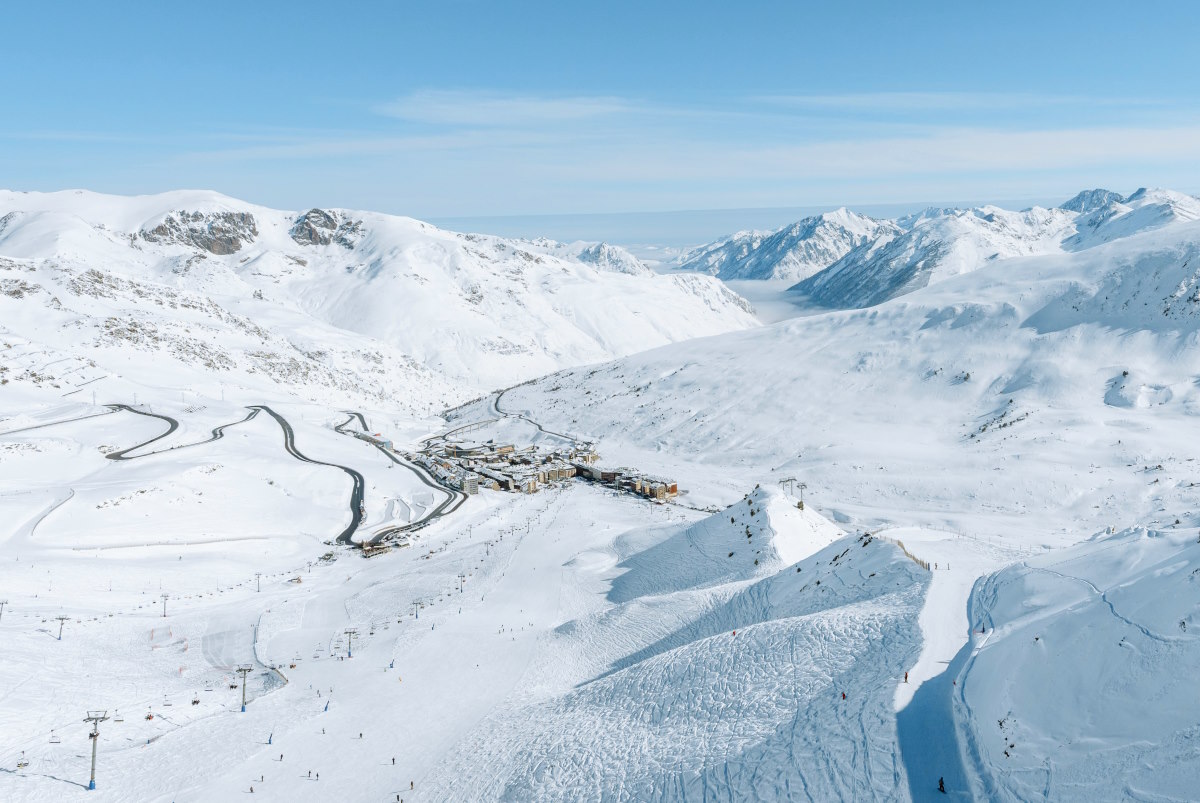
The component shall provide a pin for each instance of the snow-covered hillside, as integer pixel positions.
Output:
(987, 420)
(333, 303)
(1074, 686)
(793, 252)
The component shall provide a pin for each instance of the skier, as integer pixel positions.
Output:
(906, 677)
(942, 785)
(393, 761)
(843, 695)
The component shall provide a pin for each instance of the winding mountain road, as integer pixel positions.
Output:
(289, 443)
(217, 434)
(454, 498)
(356, 492)
(523, 417)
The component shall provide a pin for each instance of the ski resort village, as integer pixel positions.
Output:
(469, 466)
(599, 403)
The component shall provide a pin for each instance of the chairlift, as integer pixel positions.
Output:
(22, 762)
(118, 717)
(55, 738)
(196, 699)
(167, 701)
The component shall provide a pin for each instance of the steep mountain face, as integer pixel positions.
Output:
(933, 246)
(1091, 200)
(792, 252)
(1121, 217)
(329, 302)
(941, 243)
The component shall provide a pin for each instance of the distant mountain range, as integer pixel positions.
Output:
(843, 259)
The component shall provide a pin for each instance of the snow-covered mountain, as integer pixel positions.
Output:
(1104, 219)
(940, 243)
(934, 245)
(792, 252)
(842, 259)
(1031, 406)
(327, 301)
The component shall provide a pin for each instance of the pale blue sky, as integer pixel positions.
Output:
(463, 108)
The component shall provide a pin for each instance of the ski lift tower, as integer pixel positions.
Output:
(244, 670)
(94, 717)
(3, 602)
(801, 486)
(351, 632)
(61, 621)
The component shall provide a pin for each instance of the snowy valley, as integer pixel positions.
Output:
(941, 525)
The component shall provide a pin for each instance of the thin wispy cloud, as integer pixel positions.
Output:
(466, 108)
(891, 102)
(528, 152)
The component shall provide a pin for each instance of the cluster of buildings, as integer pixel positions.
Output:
(504, 467)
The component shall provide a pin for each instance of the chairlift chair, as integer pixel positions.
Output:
(55, 738)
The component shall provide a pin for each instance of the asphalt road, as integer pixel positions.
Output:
(217, 434)
(289, 443)
(172, 425)
(523, 417)
(454, 498)
(356, 493)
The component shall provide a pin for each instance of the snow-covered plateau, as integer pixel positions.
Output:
(946, 532)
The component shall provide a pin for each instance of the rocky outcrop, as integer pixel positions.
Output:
(216, 232)
(319, 227)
